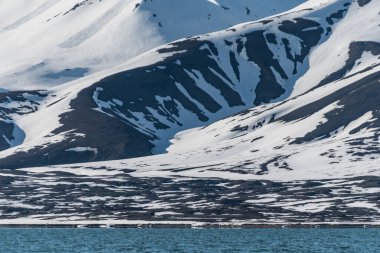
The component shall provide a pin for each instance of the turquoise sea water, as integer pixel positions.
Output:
(190, 240)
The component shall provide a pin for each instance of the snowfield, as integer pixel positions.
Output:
(51, 42)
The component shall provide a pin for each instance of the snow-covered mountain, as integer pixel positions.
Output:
(51, 42)
(136, 108)
(274, 120)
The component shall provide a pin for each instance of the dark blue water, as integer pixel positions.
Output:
(190, 240)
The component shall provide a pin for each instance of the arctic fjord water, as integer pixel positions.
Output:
(190, 240)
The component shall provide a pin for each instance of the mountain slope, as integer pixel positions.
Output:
(62, 40)
(185, 84)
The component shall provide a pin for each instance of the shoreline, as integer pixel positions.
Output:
(194, 225)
